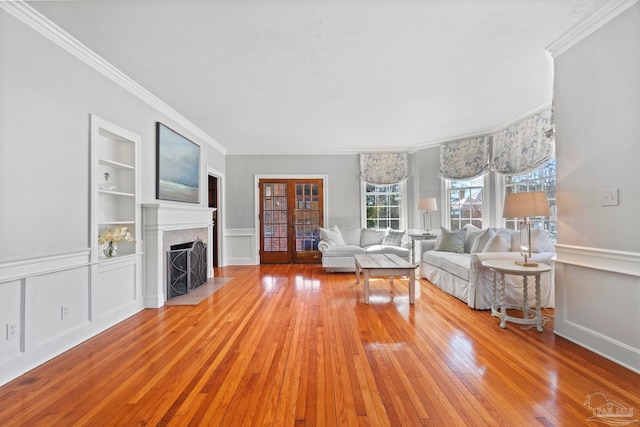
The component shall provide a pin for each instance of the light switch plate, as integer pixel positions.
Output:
(609, 197)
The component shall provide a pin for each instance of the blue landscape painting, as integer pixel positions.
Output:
(178, 166)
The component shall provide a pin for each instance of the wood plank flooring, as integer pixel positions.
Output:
(286, 345)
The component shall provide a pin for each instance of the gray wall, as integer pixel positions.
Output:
(426, 183)
(343, 184)
(597, 91)
(46, 97)
(597, 98)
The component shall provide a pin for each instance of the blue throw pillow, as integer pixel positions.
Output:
(393, 238)
(450, 241)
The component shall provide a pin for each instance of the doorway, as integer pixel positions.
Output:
(212, 191)
(291, 212)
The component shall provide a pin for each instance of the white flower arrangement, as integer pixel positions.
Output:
(116, 234)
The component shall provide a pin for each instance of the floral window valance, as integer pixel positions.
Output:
(384, 168)
(523, 147)
(464, 159)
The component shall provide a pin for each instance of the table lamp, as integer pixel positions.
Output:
(526, 205)
(427, 205)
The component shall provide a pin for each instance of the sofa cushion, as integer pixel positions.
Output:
(343, 251)
(457, 264)
(393, 237)
(450, 241)
(481, 241)
(371, 237)
(471, 232)
(351, 236)
(388, 249)
(497, 243)
(332, 236)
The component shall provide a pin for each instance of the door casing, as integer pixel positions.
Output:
(256, 201)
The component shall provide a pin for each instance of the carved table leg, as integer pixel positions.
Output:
(538, 310)
(503, 307)
(525, 298)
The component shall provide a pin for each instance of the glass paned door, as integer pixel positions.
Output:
(290, 215)
(307, 216)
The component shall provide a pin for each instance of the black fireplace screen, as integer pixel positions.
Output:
(186, 267)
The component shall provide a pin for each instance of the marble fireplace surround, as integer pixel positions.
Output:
(166, 225)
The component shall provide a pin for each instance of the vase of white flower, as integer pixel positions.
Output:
(110, 249)
(110, 237)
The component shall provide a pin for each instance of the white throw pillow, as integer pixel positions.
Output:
(539, 240)
(371, 237)
(498, 243)
(332, 236)
(481, 241)
(351, 236)
(471, 233)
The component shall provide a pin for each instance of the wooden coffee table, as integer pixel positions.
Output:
(389, 265)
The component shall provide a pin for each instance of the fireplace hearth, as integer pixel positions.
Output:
(186, 267)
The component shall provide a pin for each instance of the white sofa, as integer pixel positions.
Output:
(339, 245)
(462, 275)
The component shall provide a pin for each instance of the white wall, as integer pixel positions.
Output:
(46, 97)
(597, 99)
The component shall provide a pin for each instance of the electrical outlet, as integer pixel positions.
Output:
(609, 197)
(64, 312)
(12, 330)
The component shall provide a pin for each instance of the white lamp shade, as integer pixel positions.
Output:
(526, 204)
(428, 204)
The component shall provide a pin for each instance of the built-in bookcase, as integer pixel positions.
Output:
(114, 201)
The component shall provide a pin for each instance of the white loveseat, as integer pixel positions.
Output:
(461, 274)
(339, 245)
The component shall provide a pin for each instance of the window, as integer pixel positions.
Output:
(542, 179)
(384, 206)
(465, 202)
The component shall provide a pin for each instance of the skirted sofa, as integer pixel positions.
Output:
(339, 245)
(455, 265)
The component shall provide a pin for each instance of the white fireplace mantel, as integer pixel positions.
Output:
(159, 219)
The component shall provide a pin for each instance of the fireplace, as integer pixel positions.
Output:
(186, 267)
(166, 225)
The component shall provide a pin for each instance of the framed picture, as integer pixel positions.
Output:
(177, 166)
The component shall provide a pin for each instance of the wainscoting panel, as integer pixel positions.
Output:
(597, 300)
(60, 300)
(11, 313)
(240, 247)
(61, 303)
(114, 288)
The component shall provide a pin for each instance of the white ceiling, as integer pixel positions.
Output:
(331, 76)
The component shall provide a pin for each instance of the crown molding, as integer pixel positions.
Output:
(38, 22)
(589, 25)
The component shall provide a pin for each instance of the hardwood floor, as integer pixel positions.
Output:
(292, 345)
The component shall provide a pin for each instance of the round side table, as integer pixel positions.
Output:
(502, 267)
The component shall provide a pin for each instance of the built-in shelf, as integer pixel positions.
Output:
(107, 162)
(115, 186)
(116, 193)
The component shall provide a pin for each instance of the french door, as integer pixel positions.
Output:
(291, 212)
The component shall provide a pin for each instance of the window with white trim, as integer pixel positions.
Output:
(384, 206)
(465, 203)
(541, 179)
